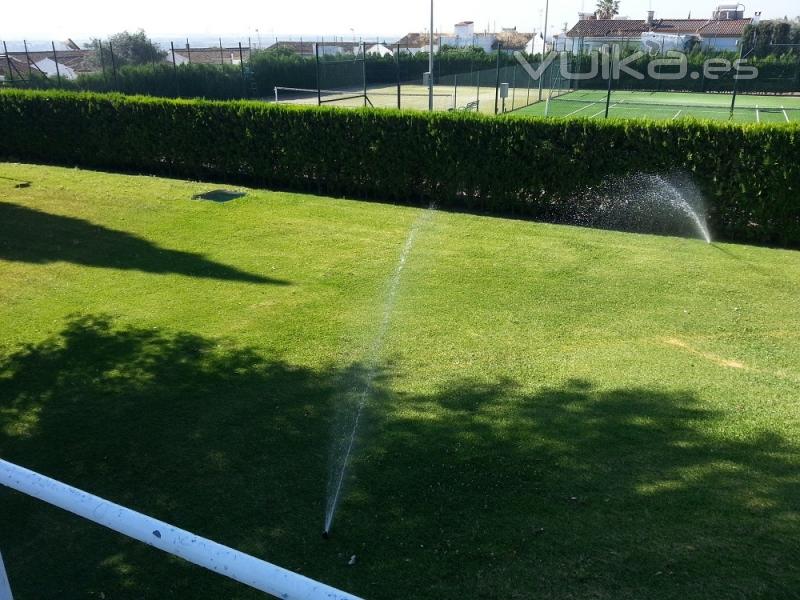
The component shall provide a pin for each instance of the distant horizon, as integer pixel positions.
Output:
(350, 18)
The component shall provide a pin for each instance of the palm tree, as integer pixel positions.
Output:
(607, 9)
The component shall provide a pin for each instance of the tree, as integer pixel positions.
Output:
(607, 9)
(129, 49)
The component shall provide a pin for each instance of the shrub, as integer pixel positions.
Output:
(535, 168)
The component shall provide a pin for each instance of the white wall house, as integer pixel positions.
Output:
(48, 67)
(536, 45)
(720, 32)
(377, 49)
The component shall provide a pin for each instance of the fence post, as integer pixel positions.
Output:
(5, 584)
(102, 60)
(528, 99)
(478, 88)
(55, 59)
(316, 69)
(241, 68)
(113, 65)
(610, 77)
(397, 72)
(8, 62)
(364, 70)
(27, 57)
(175, 71)
(514, 89)
(497, 80)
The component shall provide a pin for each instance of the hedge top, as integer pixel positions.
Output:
(539, 168)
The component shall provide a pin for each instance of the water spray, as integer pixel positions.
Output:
(336, 482)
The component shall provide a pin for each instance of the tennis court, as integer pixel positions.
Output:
(412, 96)
(667, 106)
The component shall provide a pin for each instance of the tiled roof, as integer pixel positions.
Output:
(415, 40)
(512, 40)
(307, 48)
(210, 56)
(635, 27)
(724, 28)
(77, 60)
(608, 28)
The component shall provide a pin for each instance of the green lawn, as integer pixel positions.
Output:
(556, 412)
(668, 106)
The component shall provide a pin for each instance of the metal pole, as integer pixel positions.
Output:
(102, 60)
(188, 51)
(397, 69)
(221, 55)
(478, 88)
(206, 553)
(497, 80)
(175, 71)
(455, 91)
(430, 64)
(544, 43)
(528, 100)
(364, 69)
(610, 78)
(8, 62)
(514, 89)
(735, 78)
(316, 68)
(241, 67)
(55, 60)
(27, 58)
(113, 64)
(5, 584)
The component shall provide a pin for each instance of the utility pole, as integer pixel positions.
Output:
(430, 64)
(544, 44)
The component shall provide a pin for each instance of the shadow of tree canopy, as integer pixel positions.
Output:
(204, 435)
(34, 236)
(481, 491)
(475, 491)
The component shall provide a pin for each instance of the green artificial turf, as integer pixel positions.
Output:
(591, 104)
(554, 412)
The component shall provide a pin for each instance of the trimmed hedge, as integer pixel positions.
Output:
(537, 168)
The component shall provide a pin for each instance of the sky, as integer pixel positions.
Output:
(83, 19)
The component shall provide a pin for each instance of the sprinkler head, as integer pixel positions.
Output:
(325, 535)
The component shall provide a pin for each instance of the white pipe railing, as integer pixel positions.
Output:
(226, 561)
(5, 584)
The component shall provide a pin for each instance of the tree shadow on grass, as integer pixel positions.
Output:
(482, 491)
(29, 235)
(475, 491)
(204, 435)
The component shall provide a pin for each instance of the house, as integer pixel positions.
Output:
(720, 32)
(465, 36)
(68, 63)
(329, 48)
(208, 56)
(414, 43)
(377, 49)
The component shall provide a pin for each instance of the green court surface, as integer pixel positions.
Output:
(667, 106)
(413, 96)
